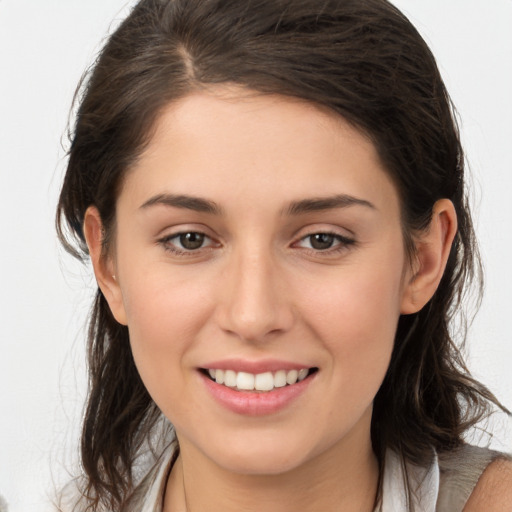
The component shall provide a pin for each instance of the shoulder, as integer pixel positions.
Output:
(493, 492)
(474, 479)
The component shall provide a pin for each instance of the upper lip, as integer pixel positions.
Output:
(255, 367)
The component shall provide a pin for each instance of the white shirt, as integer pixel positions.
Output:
(444, 486)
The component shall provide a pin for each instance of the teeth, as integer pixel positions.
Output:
(245, 381)
(219, 376)
(280, 379)
(261, 382)
(264, 382)
(291, 377)
(302, 374)
(230, 378)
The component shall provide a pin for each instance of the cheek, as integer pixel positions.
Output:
(359, 305)
(357, 320)
(164, 316)
(163, 302)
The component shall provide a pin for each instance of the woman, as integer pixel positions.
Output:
(272, 197)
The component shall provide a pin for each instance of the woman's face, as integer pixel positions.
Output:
(258, 236)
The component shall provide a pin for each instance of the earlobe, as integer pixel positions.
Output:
(103, 265)
(432, 250)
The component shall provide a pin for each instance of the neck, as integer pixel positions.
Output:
(345, 477)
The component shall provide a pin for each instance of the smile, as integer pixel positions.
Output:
(260, 382)
(257, 388)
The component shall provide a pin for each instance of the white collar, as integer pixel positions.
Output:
(153, 497)
(424, 485)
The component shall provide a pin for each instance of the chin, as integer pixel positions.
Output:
(264, 454)
(261, 464)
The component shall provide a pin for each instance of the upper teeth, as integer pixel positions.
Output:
(260, 382)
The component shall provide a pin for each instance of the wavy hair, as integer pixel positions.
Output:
(362, 60)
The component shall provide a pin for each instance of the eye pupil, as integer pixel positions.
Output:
(321, 241)
(191, 240)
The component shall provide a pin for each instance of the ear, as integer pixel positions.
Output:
(432, 250)
(103, 264)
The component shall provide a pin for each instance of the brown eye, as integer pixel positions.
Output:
(321, 241)
(191, 241)
(188, 243)
(325, 242)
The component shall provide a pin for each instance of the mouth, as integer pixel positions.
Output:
(260, 382)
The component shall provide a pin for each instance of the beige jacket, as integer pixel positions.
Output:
(444, 486)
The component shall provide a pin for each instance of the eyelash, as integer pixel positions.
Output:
(341, 242)
(169, 246)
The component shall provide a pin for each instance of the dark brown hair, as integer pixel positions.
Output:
(361, 59)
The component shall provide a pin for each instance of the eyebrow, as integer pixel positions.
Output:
(326, 203)
(201, 205)
(186, 202)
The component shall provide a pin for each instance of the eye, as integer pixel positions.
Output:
(186, 242)
(324, 241)
(321, 241)
(191, 241)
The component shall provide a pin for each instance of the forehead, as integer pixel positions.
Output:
(228, 143)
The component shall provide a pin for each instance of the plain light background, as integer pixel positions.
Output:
(45, 45)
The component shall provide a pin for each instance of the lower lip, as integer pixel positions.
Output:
(254, 403)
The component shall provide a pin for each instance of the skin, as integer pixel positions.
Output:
(493, 493)
(258, 289)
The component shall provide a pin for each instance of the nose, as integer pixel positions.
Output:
(254, 303)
